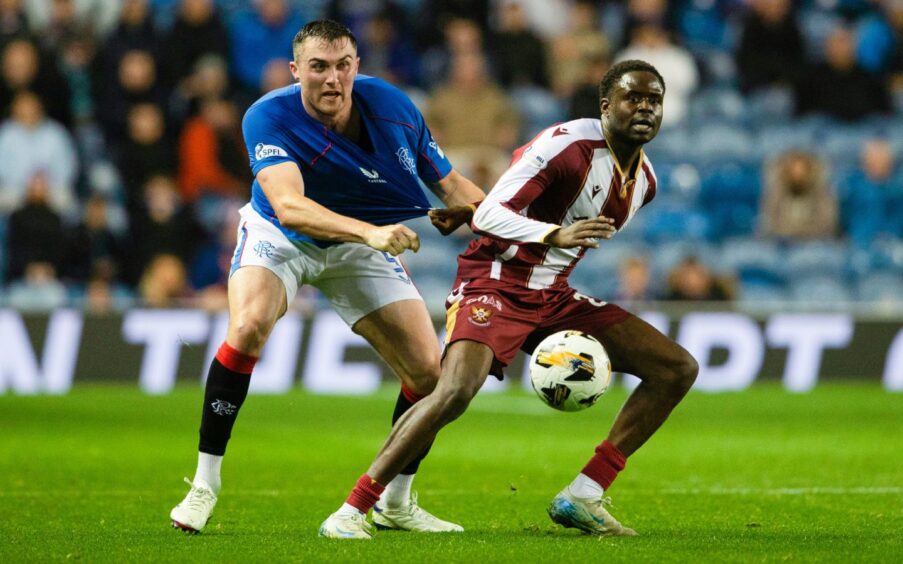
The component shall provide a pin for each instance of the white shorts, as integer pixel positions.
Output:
(355, 278)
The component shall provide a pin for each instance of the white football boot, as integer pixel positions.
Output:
(195, 510)
(588, 515)
(346, 526)
(412, 518)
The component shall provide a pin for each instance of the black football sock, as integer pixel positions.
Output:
(226, 390)
(406, 400)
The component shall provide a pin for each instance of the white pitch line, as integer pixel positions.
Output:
(785, 491)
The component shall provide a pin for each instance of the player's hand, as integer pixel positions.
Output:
(584, 233)
(393, 239)
(446, 220)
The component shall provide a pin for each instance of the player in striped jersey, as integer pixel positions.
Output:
(574, 184)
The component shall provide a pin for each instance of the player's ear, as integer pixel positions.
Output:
(292, 66)
(604, 105)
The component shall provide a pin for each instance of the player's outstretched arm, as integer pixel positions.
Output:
(583, 233)
(460, 196)
(284, 188)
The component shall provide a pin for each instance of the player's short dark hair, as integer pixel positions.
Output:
(328, 31)
(618, 70)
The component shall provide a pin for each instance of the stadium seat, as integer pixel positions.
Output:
(817, 258)
(703, 26)
(722, 104)
(612, 253)
(731, 196)
(742, 252)
(842, 143)
(716, 142)
(882, 287)
(598, 278)
(769, 106)
(670, 145)
(718, 66)
(820, 290)
(773, 140)
(759, 293)
(887, 254)
(597, 272)
(760, 276)
(678, 182)
(732, 182)
(665, 223)
(538, 108)
(667, 254)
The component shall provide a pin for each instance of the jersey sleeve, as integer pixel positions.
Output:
(265, 139)
(432, 164)
(503, 213)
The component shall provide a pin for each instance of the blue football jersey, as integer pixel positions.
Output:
(380, 187)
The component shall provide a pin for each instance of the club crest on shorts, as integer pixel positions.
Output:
(264, 249)
(480, 315)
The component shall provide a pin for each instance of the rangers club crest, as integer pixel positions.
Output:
(406, 160)
(264, 249)
(222, 407)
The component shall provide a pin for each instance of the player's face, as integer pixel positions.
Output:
(634, 110)
(326, 73)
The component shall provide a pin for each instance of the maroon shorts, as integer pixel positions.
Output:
(507, 317)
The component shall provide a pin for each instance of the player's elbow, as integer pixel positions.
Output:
(288, 212)
(481, 218)
(283, 212)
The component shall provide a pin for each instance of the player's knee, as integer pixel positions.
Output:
(453, 402)
(249, 333)
(684, 372)
(421, 378)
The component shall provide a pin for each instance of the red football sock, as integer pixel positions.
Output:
(365, 494)
(235, 360)
(604, 466)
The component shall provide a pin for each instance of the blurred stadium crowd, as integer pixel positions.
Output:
(122, 162)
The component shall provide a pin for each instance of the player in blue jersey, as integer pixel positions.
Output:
(337, 159)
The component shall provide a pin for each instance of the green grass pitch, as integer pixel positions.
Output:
(761, 475)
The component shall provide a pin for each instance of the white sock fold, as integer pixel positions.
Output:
(208, 470)
(347, 509)
(585, 487)
(397, 494)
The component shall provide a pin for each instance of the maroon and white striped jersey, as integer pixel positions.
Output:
(565, 174)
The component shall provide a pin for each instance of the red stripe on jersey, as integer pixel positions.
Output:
(408, 125)
(430, 161)
(616, 207)
(328, 147)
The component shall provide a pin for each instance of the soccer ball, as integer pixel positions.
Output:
(570, 370)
